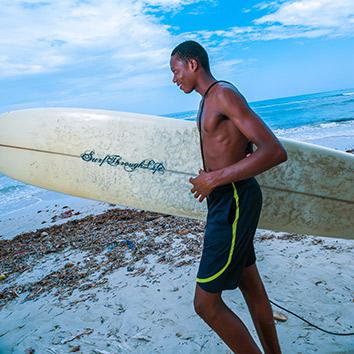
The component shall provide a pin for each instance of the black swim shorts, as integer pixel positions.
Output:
(233, 214)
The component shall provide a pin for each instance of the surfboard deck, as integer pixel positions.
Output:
(145, 162)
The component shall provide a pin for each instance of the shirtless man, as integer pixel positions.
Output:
(227, 127)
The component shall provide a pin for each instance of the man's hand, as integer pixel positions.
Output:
(202, 185)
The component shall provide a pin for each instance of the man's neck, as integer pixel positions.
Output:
(204, 81)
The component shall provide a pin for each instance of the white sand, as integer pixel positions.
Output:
(152, 312)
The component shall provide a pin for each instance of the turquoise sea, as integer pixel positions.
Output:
(325, 118)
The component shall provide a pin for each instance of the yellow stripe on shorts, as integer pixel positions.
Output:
(233, 241)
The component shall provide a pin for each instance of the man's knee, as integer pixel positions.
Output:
(207, 306)
(198, 306)
(206, 311)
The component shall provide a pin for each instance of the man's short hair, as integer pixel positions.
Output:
(192, 50)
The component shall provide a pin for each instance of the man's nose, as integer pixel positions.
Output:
(174, 79)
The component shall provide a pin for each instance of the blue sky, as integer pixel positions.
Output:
(115, 54)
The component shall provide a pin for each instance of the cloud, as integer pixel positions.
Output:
(334, 18)
(286, 20)
(122, 46)
(43, 36)
(169, 4)
(224, 67)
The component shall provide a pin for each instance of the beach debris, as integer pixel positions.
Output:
(3, 334)
(120, 309)
(30, 351)
(139, 271)
(112, 246)
(3, 276)
(142, 336)
(124, 347)
(136, 238)
(165, 322)
(183, 336)
(118, 238)
(279, 316)
(183, 232)
(130, 244)
(67, 214)
(86, 332)
(130, 268)
(185, 261)
(75, 349)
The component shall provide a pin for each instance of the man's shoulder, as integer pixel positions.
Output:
(226, 92)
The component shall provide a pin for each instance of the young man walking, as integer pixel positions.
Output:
(228, 127)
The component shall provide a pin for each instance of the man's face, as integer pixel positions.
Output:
(182, 74)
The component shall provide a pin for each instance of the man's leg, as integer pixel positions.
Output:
(253, 291)
(224, 322)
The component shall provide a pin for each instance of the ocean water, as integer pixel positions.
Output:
(325, 118)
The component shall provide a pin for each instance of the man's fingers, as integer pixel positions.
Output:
(193, 190)
(202, 197)
(196, 195)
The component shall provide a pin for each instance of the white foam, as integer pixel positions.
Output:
(283, 103)
(333, 135)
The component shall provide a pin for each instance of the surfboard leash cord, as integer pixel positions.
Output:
(311, 324)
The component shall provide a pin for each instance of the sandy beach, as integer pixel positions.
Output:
(122, 281)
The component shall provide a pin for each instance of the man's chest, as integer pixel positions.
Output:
(209, 121)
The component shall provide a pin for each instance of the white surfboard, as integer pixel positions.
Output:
(145, 162)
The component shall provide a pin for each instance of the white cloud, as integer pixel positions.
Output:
(267, 5)
(224, 67)
(41, 36)
(288, 19)
(125, 47)
(169, 4)
(335, 16)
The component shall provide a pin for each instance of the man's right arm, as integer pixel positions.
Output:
(270, 151)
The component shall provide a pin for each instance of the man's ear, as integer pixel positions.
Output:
(193, 64)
